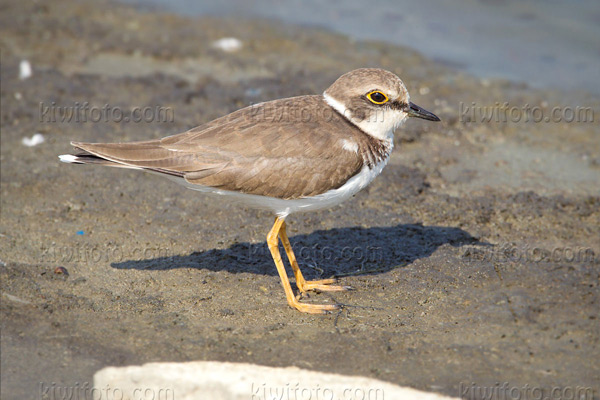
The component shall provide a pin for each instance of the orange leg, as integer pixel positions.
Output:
(273, 242)
(324, 285)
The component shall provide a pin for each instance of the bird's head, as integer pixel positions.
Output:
(375, 100)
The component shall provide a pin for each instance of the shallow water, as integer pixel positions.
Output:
(544, 43)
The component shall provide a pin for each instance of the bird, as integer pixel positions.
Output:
(286, 156)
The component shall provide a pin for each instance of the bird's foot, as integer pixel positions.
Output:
(323, 285)
(313, 308)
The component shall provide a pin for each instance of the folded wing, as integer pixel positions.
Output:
(264, 149)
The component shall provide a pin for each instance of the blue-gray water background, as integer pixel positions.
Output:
(549, 44)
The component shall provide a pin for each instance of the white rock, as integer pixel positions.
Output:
(228, 44)
(24, 70)
(36, 139)
(233, 381)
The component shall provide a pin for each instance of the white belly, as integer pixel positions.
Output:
(284, 208)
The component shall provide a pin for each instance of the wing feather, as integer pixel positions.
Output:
(250, 152)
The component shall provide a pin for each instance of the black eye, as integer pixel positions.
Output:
(377, 97)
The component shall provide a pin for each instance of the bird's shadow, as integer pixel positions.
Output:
(323, 253)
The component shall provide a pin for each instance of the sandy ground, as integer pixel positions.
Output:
(475, 255)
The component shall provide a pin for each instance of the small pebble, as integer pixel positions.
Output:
(36, 139)
(253, 92)
(228, 44)
(227, 311)
(61, 271)
(24, 70)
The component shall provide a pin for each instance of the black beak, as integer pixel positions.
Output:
(416, 111)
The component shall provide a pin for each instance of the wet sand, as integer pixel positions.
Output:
(474, 255)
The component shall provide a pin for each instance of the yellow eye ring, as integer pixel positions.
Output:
(377, 97)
